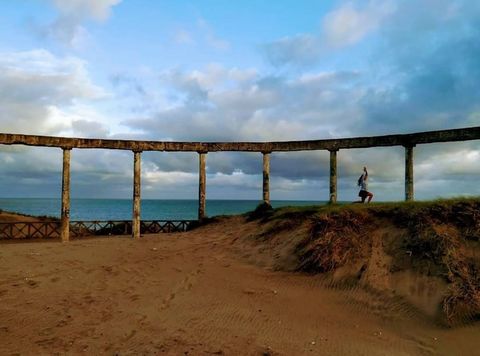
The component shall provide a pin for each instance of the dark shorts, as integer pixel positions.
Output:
(363, 194)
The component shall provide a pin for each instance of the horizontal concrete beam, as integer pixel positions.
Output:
(407, 140)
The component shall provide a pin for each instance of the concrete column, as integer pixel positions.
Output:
(333, 176)
(65, 214)
(409, 192)
(136, 194)
(266, 178)
(202, 185)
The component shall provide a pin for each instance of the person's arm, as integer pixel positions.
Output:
(366, 172)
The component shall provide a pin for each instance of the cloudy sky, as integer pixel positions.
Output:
(251, 70)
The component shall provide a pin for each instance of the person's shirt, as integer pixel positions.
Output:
(364, 184)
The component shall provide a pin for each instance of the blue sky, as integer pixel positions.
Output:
(239, 70)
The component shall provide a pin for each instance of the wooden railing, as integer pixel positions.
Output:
(30, 230)
(51, 229)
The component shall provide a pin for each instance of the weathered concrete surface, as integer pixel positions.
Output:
(136, 194)
(65, 213)
(409, 173)
(266, 178)
(464, 134)
(333, 177)
(333, 145)
(202, 180)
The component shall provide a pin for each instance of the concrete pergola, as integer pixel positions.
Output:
(408, 141)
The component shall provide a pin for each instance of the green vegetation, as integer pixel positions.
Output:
(262, 210)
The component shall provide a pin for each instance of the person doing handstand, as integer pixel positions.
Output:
(362, 182)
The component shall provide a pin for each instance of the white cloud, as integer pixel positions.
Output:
(68, 27)
(200, 34)
(211, 37)
(39, 89)
(154, 177)
(354, 20)
(96, 9)
(302, 49)
(344, 26)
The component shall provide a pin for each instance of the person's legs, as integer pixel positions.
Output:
(370, 196)
(363, 195)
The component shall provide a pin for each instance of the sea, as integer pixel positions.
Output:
(121, 209)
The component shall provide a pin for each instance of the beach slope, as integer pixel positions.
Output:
(243, 285)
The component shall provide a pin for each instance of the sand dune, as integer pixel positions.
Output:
(197, 293)
(8, 217)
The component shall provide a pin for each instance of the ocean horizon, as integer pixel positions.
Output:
(151, 209)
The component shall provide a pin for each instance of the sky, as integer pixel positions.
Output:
(250, 70)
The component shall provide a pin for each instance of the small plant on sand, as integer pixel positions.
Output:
(262, 211)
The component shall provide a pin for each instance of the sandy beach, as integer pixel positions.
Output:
(196, 293)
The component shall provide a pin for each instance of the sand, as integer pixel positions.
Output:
(196, 293)
(8, 217)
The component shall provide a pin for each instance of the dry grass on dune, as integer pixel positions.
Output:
(435, 239)
(440, 233)
(6, 216)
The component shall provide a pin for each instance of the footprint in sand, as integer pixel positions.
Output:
(130, 335)
(185, 285)
(47, 342)
(107, 268)
(106, 316)
(89, 299)
(61, 323)
(134, 297)
(31, 283)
